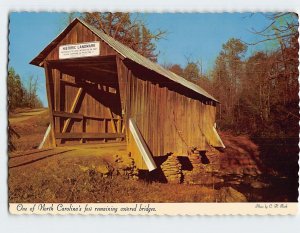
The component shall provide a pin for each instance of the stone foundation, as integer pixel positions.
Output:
(209, 168)
(172, 170)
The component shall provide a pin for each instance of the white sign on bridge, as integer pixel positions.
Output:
(88, 49)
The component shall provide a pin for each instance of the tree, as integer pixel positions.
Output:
(282, 28)
(279, 82)
(192, 72)
(31, 99)
(15, 90)
(18, 95)
(255, 95)
(259, 95)
(226, 76)
(175, 68)
(131, 32)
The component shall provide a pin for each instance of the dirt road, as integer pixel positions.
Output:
(30, 125)
(24, 116)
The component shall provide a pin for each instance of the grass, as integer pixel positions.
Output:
(74, 174)
(31, 127)
(75, 185)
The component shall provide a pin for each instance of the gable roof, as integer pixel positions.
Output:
(126, 52)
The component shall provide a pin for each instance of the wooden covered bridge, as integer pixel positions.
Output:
(101, 91)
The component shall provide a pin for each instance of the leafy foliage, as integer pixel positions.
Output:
(131, 32)
(226, 79)
(192, 72)
(258, 95)
(16, 91)
(18, 95)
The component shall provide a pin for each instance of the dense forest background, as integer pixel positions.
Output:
(258, 94)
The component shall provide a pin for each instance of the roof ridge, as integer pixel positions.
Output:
(128, 53)
(182, 81)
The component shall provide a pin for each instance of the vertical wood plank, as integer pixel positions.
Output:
(49, 83)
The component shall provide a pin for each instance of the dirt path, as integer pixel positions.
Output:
(30, 125)
(75, 173)
(35, 156)
(24, 116)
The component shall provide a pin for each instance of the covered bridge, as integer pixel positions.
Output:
(99, 90)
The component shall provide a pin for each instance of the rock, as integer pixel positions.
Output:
(123, 167)
(172, 169)
(235, 182)
(251, 171)
(229, 194)
(118, 160)
(103, 169)
(135, 177)
(83, 168)
(115, 172)
(258, 185)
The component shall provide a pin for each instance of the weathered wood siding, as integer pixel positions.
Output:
(97, 105)
(169, 118)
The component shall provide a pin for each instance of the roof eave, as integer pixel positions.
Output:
(38, 60)
(189, 88)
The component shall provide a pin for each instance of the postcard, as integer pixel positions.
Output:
(153, 113)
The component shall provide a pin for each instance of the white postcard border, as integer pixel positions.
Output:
(224, 224)
(170, 209)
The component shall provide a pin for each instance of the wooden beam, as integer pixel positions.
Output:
(57, 92)
(83, 70)
(86, 60)
(81, 116)
(83, 129)
(73, 107)
(68, 115)
(48, 74)
(112, 121)
(121, 90)
(99, 69)
(67, 82)
(122, 81)
(99, 118)
(89, 135)
(83, 65)
(119, 124)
